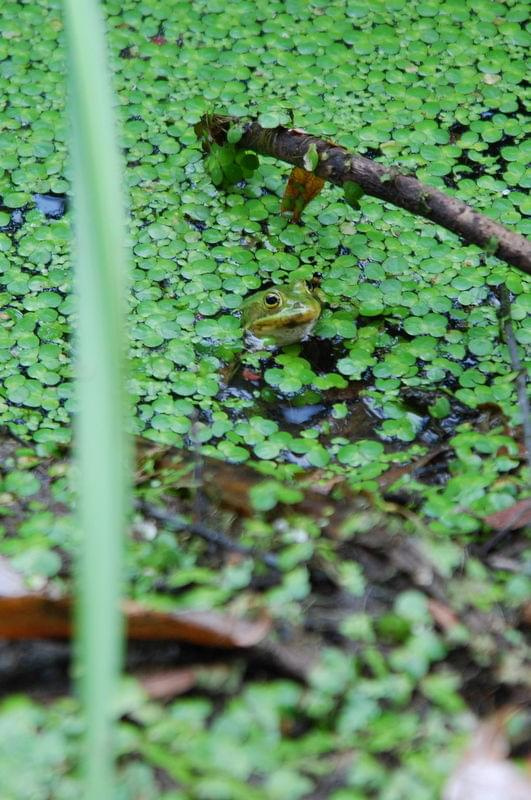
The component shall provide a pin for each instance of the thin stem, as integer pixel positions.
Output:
(521, 375)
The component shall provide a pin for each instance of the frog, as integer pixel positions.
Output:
(280, 315)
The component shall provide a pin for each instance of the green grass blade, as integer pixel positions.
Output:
(102, 452)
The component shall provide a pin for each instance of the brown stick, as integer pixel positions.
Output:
(338, 166)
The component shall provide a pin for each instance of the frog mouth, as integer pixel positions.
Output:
(294, 319)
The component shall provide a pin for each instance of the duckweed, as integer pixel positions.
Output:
(435, 89)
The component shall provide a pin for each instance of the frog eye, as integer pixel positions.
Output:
(272, 300)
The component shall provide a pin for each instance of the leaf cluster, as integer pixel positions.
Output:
(228, 165)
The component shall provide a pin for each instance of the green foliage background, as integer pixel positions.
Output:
(435, 87)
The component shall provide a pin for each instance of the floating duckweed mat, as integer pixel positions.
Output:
(406, 358)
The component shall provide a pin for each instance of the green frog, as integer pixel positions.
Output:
(280, 315)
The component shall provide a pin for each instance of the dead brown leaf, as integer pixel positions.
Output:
(207, 628)
(36, 616)
(443, 615)
(510, 519)
(301, 188)
(163, 684)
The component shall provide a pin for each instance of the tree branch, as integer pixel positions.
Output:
(338, 166)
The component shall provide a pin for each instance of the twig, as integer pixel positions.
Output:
(521, 376)
(338, 166)
(177, 523)
(483, 550)
(199, 499)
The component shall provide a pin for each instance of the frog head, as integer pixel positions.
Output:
(280, 315)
